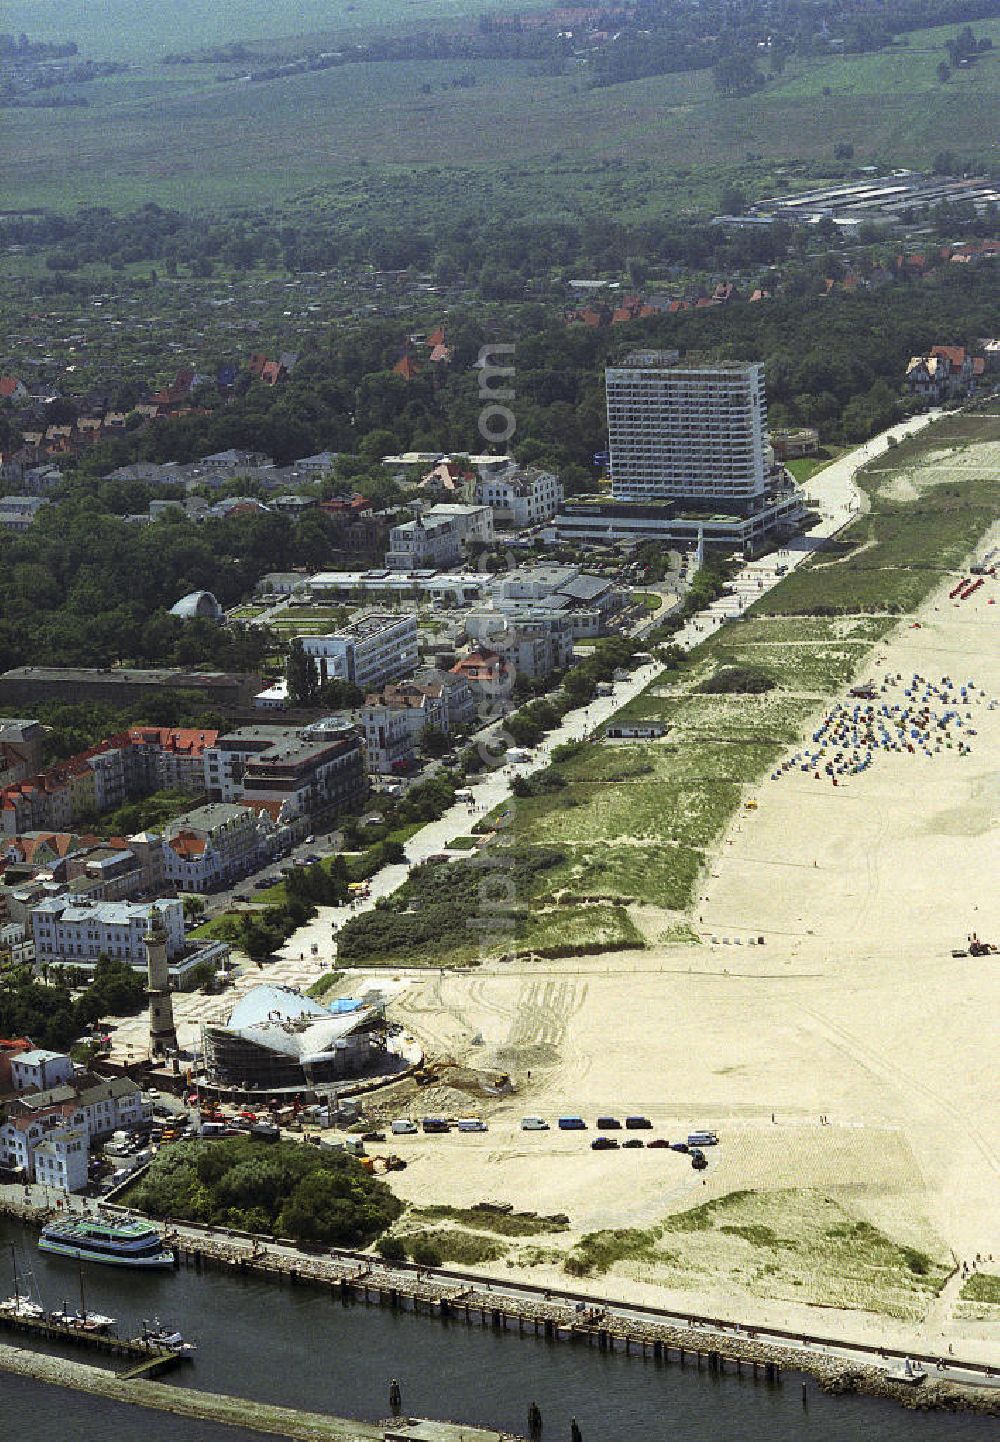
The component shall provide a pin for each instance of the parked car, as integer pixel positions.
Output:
(636, 1124)
(700, 1162)
(436, 1124)
(609, 1124)
(572, 1124)
(404, 1127)
(703, 1139)
(534, 1124)
(373, 1137)
(472, 1124)
(635, 1142)
(679, 1146)
(604, 1144)
(658, 1142)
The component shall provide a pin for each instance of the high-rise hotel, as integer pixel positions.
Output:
(687, 433)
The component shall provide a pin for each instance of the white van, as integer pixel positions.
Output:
(404, 1128)
(534, 1124)
(472, 1124)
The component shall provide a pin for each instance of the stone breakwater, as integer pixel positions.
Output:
(183, 1402)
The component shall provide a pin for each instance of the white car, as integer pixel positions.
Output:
(404, 1128)
(534, 1124)
(472, 1124)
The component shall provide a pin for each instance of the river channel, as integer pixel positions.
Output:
(301, 1346)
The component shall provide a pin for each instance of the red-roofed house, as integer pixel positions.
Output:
(945, 372)
(488, 674)
(12, 389)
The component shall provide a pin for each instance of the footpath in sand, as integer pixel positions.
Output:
(848, 1063)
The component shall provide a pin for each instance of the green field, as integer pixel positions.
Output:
(137, 29)
(560, 144)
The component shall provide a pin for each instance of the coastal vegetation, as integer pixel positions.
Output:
(285, 1190)
(793, 1245)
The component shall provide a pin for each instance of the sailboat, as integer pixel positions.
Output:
(82, 1321)
(21, 1305)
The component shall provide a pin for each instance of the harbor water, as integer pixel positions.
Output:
(301, 1346)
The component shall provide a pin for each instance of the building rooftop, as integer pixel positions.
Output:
(206, 818)
(183, 680)
(283, 1020)
(109, 913)
(39, 1056)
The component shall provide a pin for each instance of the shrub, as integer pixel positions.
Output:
(391, 1249)
(733, 680)
(426, 1254)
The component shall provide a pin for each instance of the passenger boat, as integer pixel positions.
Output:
(118, 1243)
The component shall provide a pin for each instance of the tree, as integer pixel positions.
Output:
(434, 743)
(300, 673)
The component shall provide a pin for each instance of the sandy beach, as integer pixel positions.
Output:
(849, 1055)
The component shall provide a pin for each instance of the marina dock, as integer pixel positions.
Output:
(144, 1358)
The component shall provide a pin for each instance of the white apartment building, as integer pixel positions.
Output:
(39, 1069)
(395, 719)
(215, 845)
(49, 1125)
(62, 1160)
(685, 432)
(520, 496)
(436, 540)
(71, 932)
(374, 648)
(424, 544)
(470, 523)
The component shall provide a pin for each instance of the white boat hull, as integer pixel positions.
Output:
(114, 1259)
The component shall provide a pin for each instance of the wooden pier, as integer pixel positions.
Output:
(145, 1358)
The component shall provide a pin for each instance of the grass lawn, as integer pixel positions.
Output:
(807, 466)
(505, 1224)
(931, 498)
(983, 1287)
(690, 815)
(220, 928)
